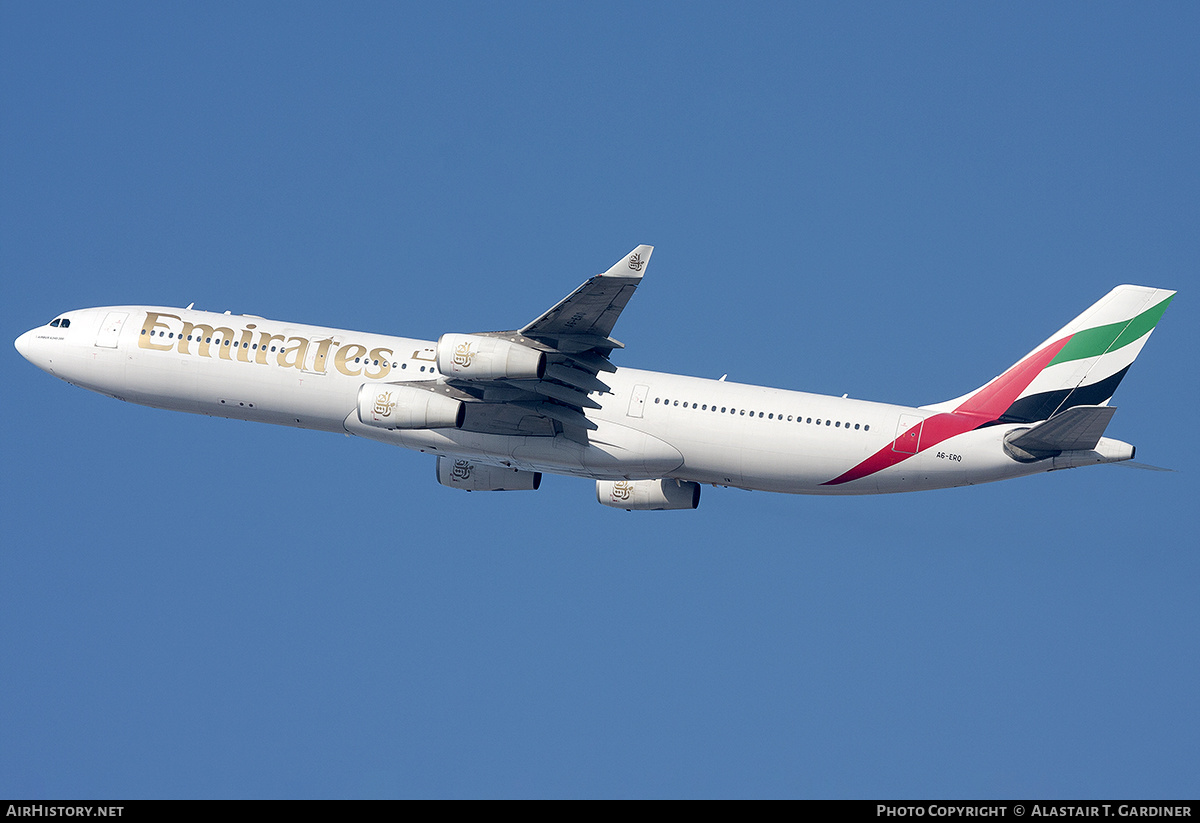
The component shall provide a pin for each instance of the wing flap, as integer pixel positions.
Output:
(565, 394)
(591, 362)
(585, 381)
(564, 415)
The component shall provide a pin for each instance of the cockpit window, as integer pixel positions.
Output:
(66, 323)
(60, 322)
(56, 321)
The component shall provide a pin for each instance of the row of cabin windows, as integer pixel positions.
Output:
(60, 323)
(171, 336)
(768, 415)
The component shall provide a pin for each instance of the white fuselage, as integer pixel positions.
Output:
(650, 425)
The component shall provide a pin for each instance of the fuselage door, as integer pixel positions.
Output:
(908, 434)
(637, 403)
(110, 331)
(317, 355)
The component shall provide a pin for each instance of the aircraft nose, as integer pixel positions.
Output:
(33, 349)
(24, 345)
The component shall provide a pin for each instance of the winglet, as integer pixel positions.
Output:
(631, 265)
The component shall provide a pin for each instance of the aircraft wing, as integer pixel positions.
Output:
(587, 315)
(575, 337)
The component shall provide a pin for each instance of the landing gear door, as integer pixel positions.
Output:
(908, 434)
(637, 403)
(110, 331)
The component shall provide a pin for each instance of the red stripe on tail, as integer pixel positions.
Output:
(981, 408)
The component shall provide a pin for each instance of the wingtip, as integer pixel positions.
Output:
(632, 265)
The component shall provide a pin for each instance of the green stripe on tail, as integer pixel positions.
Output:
(1104, 339)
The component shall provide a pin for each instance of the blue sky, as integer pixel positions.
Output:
(891, 202)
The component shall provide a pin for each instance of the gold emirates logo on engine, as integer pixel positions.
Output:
(251, 345)
(463, 355)
(622, 490)
(384, 404)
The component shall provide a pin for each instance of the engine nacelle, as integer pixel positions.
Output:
(648, 495)
(394, 406)
(480, 477)
(474, 357)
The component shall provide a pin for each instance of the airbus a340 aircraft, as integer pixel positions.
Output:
(497, 409)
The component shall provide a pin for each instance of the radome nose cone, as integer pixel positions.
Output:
(33, 350)
(24, 345)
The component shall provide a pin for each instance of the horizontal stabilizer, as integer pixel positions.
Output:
(1133, 464)
(1076, 428)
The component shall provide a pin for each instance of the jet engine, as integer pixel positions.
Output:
(648, 495)
(396, 406)
(475, 357)
(480, 477)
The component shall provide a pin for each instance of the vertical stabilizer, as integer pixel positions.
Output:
(1079, 365)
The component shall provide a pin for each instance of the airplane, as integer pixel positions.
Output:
(499, 409)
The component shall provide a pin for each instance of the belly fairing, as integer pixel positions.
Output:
(613, 452)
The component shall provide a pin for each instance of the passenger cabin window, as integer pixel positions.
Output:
(837, 424)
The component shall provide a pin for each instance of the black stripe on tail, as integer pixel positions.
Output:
(1037, 407)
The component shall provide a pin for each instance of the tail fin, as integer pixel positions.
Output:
(1079, 365)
